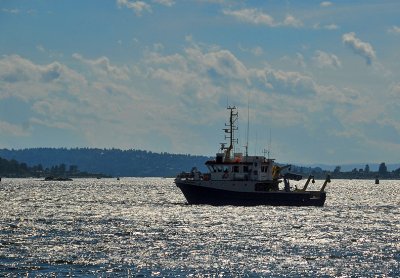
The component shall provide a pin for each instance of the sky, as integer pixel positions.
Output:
(319, 80)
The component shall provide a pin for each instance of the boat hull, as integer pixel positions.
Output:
(196, 194)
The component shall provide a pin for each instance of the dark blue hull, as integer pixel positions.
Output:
(210, 196)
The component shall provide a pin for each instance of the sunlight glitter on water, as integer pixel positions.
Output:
(142, 226)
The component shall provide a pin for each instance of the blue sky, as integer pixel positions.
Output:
(321, 77)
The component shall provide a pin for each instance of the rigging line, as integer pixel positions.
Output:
(269, 143)
(248, 123)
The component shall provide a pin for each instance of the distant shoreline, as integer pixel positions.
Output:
(94, 162)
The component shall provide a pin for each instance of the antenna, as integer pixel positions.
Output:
(248, 124)
(255, 147)
(266, 153)
(269, 143)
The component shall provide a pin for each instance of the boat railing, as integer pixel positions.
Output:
(193, 175)
(185, 176)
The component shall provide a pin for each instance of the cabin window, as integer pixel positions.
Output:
(246, 169)
(219, 168)
(264, 169)
(226, 168)
(236, 169)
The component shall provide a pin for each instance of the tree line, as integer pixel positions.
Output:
(112, 162)
(356, 173)
(139, 163)
(366, 173)
(14, 169)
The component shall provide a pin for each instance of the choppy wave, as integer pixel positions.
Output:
(143, 227)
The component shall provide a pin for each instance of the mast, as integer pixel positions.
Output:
(248, 125)
(232, 126)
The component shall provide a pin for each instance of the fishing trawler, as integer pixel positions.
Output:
(237, 179)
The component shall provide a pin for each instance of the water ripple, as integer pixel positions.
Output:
(143, 227)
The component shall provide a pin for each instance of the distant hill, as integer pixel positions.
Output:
(139, 163)
(114, 162)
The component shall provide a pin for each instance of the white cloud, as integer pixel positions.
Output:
(168, 3)
(326, 27)
(214, 64)
(291, 21)
(102, 66)
(141, 6)
(359, 47)
(15, 69)
(257, 17)
(394, 29)
(178, 92)
(12, 129)
(179, 84)
(198, 73)
(395, 93)
(253, 16)
(300, 60)
(50, 53)
(138, 6)
(225, 64)
(297, 61)
(257, 51)
(331, 26)
(326, 4)
(85, 102)
(11, 11)
(290, 82)
(323, 60)
(40, 48)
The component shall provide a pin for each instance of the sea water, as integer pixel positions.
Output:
(142, 227)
